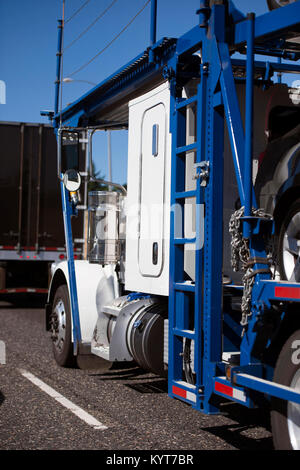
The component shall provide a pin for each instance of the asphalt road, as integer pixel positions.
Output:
(133, 405)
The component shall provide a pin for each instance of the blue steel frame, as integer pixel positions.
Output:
(218, 100)
(195, 310)
(58, 64)
(68, 211)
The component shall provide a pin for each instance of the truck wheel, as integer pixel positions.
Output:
(61, 328)
(289, 244)
(273, 4)
(285, 416)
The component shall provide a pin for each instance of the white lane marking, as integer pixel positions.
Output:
(83, 415)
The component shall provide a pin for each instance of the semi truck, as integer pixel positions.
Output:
(31, 235)
(161, 284)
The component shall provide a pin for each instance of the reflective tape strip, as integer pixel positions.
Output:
(22, 290)
(222, 388)
(32, 248)
(231, 392)
(52, 248)
(180, 392)
(287, 292)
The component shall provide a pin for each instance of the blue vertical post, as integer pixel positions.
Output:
(203, 13)
(213, 244)
(176, 253)
(249, 123)
(67, 212)
(58, 64)
(200, 157)
(153, 28)
(153, 21)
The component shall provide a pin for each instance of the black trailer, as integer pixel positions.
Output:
(31, 229)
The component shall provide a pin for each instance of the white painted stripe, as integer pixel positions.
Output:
(83, 415)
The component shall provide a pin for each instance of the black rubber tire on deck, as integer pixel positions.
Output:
(65, 357)
(273, 4)
(285, 369)
(292, 211)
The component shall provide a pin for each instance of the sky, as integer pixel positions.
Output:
(28, 44)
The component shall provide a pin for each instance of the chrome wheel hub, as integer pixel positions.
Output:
(58, 325)
(283, 3)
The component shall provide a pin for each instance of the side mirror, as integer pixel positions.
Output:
(69, 151)
(72, 180)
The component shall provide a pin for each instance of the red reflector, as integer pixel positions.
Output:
(222, 388)
(287, 292)
(179, 392)
(61, 256)
(186, 394)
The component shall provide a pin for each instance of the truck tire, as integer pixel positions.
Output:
(61, 328)
(273, 4)
(289, 244)
(285, 416)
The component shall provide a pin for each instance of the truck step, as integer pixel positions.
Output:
(101, 351)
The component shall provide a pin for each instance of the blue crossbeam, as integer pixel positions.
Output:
(185, 194)
(279, 291)
(285, 20)
(183, 286)
(186, 102)
(265, 386)
(184, 241)
(186, 148)
(184, 333)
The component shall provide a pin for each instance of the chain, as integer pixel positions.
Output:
(240, 254)
(239, 245)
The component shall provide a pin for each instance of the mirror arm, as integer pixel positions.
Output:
(90, 151)
(59, 140)
(109, 183)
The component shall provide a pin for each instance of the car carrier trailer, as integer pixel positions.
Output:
(155, 288)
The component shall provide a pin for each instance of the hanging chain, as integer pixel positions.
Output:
(240, 255)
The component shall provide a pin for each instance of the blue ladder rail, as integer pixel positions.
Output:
(185, 298)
